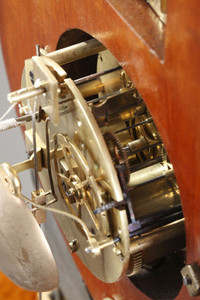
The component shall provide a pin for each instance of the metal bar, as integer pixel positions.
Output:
(159, 215)
(111, 95)
(76, 52)
(135, 125)
(96, 86)
(149, 174)
(37, 47)
(136, 145)
(26, 118)
(161, 222)
(24, 165)
(95, 75)
(145, 164)
(48, 156)
(47, 204)
(35, 153)
(24, 94)
(91, 88)
(147, 147)
(161, 234)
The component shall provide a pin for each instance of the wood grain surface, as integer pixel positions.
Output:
(162, 61)
(9, 291)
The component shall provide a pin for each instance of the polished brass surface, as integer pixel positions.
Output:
(159, 242)
(149, 174)
(101, 161)
(154, 197)
(90, 154)
(135, 263)
(29, 163)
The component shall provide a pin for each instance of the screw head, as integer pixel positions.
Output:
(187, 280)
(73, 245)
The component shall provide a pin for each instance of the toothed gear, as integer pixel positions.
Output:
(117, 152)
(135, 264)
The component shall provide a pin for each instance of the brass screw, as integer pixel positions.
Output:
(74, 245)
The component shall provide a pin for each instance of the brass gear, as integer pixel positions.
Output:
(118, 154)
(135, 263)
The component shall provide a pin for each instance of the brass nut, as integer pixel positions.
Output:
(191, 279)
